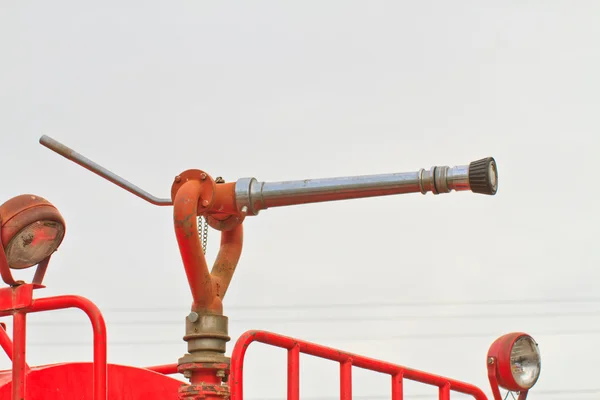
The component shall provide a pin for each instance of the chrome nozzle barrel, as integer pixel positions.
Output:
(253, 196)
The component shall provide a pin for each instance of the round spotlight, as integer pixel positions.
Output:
(31, 230)
(517, 361)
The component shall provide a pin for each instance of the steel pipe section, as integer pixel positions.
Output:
(253, 196)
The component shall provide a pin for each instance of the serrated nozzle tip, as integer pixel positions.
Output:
(483, 176)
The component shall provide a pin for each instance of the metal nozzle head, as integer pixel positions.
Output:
(483, 176)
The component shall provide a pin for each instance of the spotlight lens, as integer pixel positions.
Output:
(493, 175)
(34, 243)
(525, 362)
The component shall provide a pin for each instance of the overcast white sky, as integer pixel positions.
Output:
(294, 90)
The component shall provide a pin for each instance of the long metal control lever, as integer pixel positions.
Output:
(86, 163)
(252, 196)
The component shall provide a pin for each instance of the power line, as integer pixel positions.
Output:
(372, 304)
(346, 319)
(415, 336)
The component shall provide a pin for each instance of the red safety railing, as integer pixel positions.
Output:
(18, 301)
(294, 347)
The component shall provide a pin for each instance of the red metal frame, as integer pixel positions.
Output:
(18, 301)
(346, 360)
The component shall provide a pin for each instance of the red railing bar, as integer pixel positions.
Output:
(5, 342)
(445, 392)
(346, 380)
(18, 364)
(98, 327)
(165, 369)
(339, 356)
(293, 377)
(397, 387)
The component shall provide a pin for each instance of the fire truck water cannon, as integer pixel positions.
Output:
(32, 229)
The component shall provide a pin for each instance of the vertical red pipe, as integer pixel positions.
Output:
(346, 380)
(445, 392)
(206, 378)
(397, 387)
(18, 371)
(293, 378)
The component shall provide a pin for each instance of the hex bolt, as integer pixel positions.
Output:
(178, 179)
(193, 317)
(187, 374)
(491, 360)
(205, 203)
(203, 176)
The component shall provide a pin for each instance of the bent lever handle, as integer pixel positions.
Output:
(88, 164)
